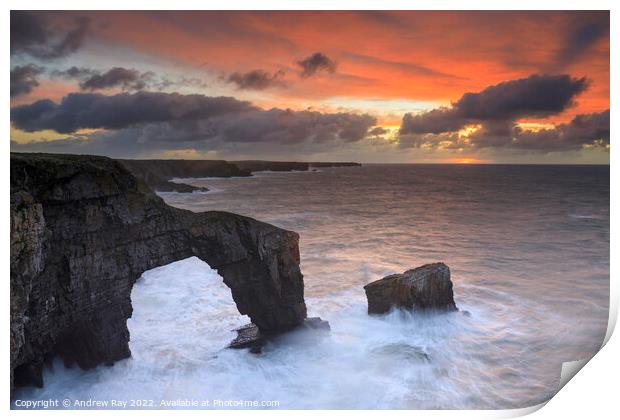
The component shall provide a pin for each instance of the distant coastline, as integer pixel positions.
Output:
(158, 173)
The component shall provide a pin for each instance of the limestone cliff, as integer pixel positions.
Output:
(83, 230)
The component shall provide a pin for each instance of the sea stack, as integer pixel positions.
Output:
(424, 288)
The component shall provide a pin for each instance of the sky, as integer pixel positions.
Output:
(377, 86)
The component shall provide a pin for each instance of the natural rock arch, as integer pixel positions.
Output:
(83, 230)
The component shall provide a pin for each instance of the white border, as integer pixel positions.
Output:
(594, 393)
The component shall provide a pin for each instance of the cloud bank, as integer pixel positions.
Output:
(128, 79)
(144, 121)
(493, 113)
(124, 78)
(94, 111)
(168, 121)
(536, 96)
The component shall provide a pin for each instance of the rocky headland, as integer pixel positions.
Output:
(157, 173)
(83, 230)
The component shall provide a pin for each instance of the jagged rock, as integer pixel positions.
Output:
(83, 230)
(244, 334)
(250, 336)
(425, 287)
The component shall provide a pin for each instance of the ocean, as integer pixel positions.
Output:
(527, 246)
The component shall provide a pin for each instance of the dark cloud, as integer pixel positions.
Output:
(584, 129)
(315, 63)
(87, 110)
(256, 79)
(265, 132)
(536, 96)
(287, 126)
(582, 36)
(35, 34)
(174, 120)
(74, 73)
(128, 79)
(24, 79)
(166, 83)
(494, 113)
(147, 123)
(436, 121)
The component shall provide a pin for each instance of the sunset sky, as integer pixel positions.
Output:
(449, 87)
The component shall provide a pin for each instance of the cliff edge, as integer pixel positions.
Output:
(83, 230)
(157, 173)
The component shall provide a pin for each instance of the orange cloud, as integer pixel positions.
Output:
(423, 55)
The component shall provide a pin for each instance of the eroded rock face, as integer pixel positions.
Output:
(83, 230)
(423, 288)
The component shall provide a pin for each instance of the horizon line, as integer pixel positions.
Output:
(332, 161)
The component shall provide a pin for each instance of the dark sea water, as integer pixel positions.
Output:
(528, 249)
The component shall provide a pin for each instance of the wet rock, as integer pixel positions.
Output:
(83, 230)
(29, 374)
(424, 288)
(250, 336)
